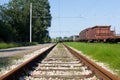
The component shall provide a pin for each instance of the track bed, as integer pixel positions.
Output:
(60, 64)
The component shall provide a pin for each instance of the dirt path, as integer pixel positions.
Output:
(5, 53)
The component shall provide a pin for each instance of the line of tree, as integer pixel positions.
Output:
(15, 21)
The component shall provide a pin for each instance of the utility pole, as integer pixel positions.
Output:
(30, 22)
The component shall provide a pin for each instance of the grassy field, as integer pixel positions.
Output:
(7, 45)
(101, 52)
(11, 45)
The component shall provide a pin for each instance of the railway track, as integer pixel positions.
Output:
(62, 63)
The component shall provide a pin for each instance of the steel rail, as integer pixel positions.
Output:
(22, 69)
(100, 72)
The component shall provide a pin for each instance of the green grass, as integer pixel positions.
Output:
(7, 45)
(11, 45)
(102, 52)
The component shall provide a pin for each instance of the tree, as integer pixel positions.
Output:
(16, 15)
(5, 28)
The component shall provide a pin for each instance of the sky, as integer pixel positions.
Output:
(69, 17)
